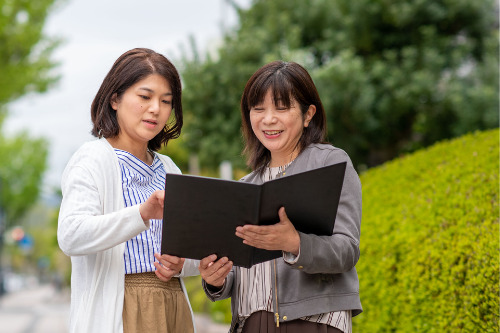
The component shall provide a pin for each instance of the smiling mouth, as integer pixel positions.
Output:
(272, 132)
(150, 122)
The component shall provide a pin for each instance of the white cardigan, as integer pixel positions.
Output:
(93, 228)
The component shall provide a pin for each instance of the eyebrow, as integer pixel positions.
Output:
(152, 91)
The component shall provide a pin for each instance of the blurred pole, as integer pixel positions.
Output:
(193, 165)
(226, 170)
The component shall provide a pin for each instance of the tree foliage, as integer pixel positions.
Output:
(23, 163)
(25, 51)
(394, 76)
(25, 66)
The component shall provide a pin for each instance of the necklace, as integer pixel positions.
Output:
(275, 172)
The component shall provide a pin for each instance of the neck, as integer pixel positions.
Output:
(283, 159)
(139, 150)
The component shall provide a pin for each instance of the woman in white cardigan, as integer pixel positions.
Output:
(111, 213)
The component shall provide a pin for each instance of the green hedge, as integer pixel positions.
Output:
(219, 311)
(430, 240)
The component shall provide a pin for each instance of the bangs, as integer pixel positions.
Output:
(277, 83)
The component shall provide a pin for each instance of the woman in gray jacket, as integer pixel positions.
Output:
(314, 286)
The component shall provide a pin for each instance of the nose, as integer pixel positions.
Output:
(154, 106)
(268, 117)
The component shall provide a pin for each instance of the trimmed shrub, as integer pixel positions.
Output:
(430, 240)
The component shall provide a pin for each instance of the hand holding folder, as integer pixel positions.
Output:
(201, 214)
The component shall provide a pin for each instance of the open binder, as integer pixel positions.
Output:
(201, 213)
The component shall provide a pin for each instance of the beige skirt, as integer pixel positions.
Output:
(151, 305)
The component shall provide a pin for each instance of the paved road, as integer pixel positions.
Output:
(41, 309)
(37, 309)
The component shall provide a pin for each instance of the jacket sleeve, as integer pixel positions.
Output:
(340, 252)
(82, 227)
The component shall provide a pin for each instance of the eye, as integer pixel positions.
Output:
(144, 97)
(257, 109)
(168, 102)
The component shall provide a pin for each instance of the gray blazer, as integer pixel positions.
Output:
(324, 278)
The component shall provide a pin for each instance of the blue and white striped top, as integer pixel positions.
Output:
(139, 181)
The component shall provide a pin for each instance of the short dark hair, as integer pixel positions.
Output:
(131, 67)
(286, 80)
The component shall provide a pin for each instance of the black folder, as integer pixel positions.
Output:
(201, 213)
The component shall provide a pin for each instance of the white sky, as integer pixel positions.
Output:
(95, 33)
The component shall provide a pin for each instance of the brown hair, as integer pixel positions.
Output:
(286, 80)
(131, 67)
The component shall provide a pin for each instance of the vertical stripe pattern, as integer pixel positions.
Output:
(139, 181)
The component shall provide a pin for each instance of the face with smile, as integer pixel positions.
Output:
(279, 128)
(142, 112)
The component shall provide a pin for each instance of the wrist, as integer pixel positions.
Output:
(295, 245)
(142, 214)
(215, 288)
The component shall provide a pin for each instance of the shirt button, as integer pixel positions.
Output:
(300, 267)
(285, 317)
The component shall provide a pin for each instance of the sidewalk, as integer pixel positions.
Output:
(41, 309)
(38, 309)
(204, 324)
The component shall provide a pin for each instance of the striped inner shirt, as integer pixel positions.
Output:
(256, 283)
(139, 181)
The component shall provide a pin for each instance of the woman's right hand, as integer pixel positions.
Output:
(214, 272)
(152, 208)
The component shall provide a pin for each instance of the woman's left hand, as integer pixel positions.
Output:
(168, 267)
(280, 236)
